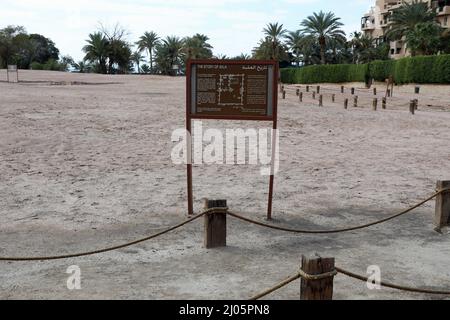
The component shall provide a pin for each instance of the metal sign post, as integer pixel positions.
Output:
(231, 90)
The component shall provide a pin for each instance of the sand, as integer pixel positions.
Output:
(85, 163)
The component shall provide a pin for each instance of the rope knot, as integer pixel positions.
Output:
(307, 276)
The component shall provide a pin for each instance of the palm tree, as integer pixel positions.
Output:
(274, 32)
(323, 27)
(97, 50)
(243, 56)
(295, 42)
(169, 53)
(405, 18)
(424, 39)
(220, 56)
(362, 46)
(148, 42)
(197, 47)
(137, 58)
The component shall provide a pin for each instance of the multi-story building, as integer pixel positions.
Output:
(376, 22)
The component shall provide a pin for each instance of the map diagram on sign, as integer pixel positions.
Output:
(231, 90)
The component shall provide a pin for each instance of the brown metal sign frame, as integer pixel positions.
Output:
(268, 117)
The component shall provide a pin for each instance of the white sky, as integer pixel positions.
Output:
(234, 26)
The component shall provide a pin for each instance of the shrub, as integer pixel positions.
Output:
(333, 73)
(419, 69)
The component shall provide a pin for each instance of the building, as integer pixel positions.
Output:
(376, 22)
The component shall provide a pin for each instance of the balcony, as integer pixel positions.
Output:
(443, 11)
(367, 26)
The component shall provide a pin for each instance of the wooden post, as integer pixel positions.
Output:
(355, 101)
(353, 91)
(383, 103)
(342, 89)
(281, 88)
(297, 92)
(284, 94)
(412, 107)
(417, 90)
(314, 95)
(333, 97)
(215, 225)
(300, 96)
(320, 100)
(374, 91)
(416, 104)
(307, 88)
(318, 89)
(389, 93)
(345, 103)
(442, 215)
(320, 289)
(375, 104)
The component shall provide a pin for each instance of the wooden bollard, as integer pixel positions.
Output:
(442, 212)
(353, 91)
(342, 89)
(417, 90)
(412, 107)
(300, 96)
(345, 103)
(318, 89)
(317, 275)
(383, 103)
(281, 88)
(374, 91)
(416, 104)
(333, 97)
(307, 88)
(284, 95)
(375, 104)
(314, 95)
(389, 93)
(297, 92)
(215, 225)
(355, 102)
(320, 100)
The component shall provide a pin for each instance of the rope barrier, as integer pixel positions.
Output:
(88, 253)
(391, 285)
(302, 274)
(266, 225)
(276, 287)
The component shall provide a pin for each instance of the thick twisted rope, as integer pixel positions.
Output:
(392, 285)
(302, 274)
(276, 287)
(128, 244)
(271, 226)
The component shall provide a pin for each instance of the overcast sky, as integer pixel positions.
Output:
(234, 26)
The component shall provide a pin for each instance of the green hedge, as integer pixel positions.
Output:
(420, 69)
(333, 73)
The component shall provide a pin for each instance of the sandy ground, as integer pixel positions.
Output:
(85, 166)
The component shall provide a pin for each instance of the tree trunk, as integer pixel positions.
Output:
(151, 60)
(322, 54)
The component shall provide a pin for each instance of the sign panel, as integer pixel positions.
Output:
(242, 90)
